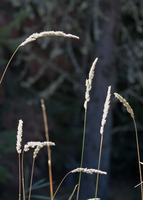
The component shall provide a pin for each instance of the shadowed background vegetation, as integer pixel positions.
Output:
(55, 69)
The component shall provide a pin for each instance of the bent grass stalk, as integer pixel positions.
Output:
(83, 170)
(35, 36)
(130, 110)
(105, 112)
(88, 84)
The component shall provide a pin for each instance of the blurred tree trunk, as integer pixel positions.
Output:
(104, 76)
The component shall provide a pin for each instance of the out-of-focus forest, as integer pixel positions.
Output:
(55, 69)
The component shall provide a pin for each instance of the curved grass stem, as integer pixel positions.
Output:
(8, 64)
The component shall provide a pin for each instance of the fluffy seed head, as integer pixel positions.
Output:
(42, 144)
(106, 109)
(88, 83)
(35, 36)
(19, 136)
(125, 103)
(31, 144)
(88, 171)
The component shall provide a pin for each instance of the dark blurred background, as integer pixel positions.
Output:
(55, 69)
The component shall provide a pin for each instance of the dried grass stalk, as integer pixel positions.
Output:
(88, 171)
(106, 109)
(88, 83)
(42, 144)
(125, 103)
(34, 36)
(19, 136)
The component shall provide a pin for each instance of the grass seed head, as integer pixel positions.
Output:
(106, 109)
(88, 171)
(125, 103)
(19, 136)
(42, 144)
(88, 83)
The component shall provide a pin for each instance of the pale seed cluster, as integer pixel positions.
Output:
(19, 136)
(106, 109)
(88, 171)
(31, 144)
(42, 144)
(34, 36)
(88, 83)
(125, 103)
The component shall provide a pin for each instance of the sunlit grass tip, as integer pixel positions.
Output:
(106, 109)
(125, 103)
(88, 83)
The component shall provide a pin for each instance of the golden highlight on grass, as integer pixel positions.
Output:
(130, 110)
(88, 83)
(35, 36)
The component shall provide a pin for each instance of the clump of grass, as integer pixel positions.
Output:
(130, 111)
(38, 145)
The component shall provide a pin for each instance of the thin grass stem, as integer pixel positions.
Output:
(60, 184)
(138, 152)
(48, 147)
(8, 64)
(23, 175)
(82, 153)
(31, 178)
(19, 177)
(97, 179)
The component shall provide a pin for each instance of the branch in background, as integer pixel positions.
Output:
(72, 57)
